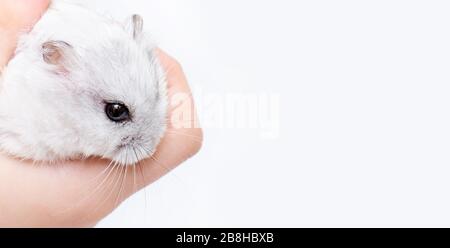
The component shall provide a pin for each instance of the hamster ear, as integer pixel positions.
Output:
(54, 51)
(135, 25)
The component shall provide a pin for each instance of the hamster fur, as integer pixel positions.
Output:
(72, 69)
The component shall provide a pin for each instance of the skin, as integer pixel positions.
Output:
(81, 193)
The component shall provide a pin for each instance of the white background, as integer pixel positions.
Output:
(364, 113)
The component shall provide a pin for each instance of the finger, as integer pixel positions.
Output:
(17, 16)
(184, 136)
(179, 93)
(176, 78)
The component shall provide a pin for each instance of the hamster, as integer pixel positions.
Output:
(81, 85)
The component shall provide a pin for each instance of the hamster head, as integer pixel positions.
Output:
(99, 93)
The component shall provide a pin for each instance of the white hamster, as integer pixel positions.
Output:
(82, 85)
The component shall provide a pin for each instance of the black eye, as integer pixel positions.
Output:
(117, 111)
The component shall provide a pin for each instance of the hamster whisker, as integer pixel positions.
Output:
(136, 156)
(108, 170)
(96, 190)
(114, 182)
(100, 174)
(141, 172)
(125, 168)
(160, 164)
(123, 171)
(134, 178)
(134, 169)
(99, 186)
(166, 170)
(119, 184)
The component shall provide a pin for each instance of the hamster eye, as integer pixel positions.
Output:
(117, 111)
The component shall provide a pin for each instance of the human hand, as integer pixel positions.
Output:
(81, 193)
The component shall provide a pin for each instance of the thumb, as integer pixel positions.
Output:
(17, 16)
